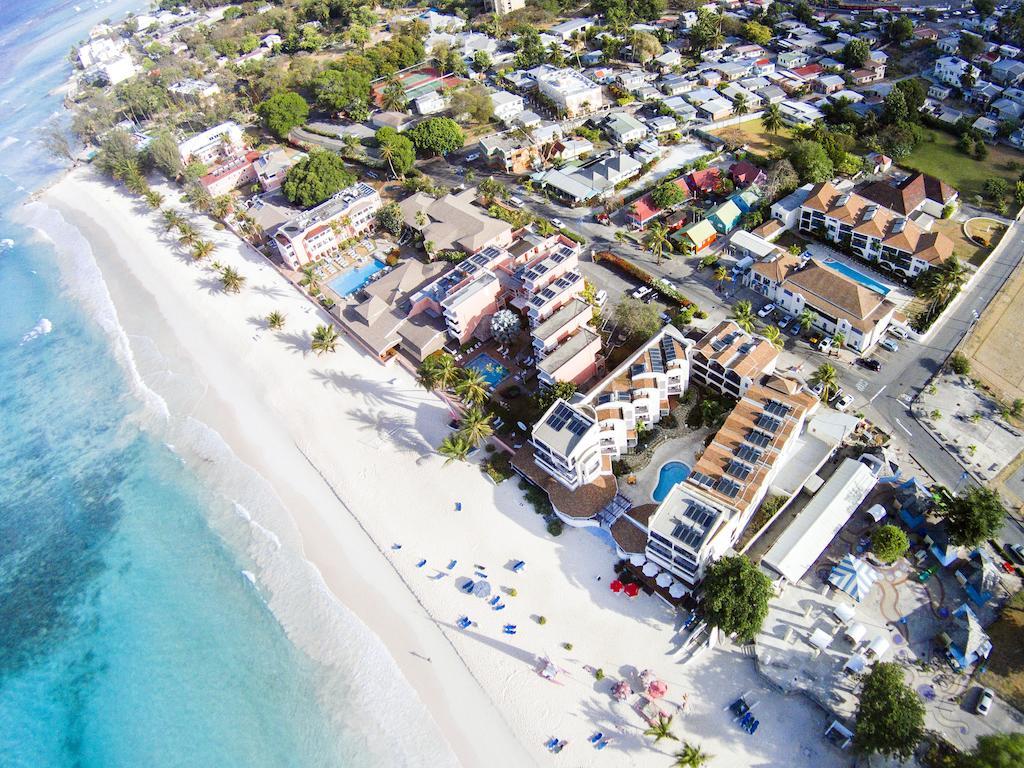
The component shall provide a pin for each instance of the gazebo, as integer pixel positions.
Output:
(853, 576)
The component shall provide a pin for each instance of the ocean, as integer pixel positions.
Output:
(133, 625)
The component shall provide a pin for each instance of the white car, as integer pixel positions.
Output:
(766, 310)
(558, 223)
(985, 702)
(515, 201)
(899, 333)
(642, 291)
(889, 344)
(843, 403)
(601, 297)
(825, 345)
(472, 156)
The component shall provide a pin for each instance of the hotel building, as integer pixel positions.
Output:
(320, 230)
(729, 360)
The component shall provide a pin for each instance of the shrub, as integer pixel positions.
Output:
(959, 364)
(599, 674)
(513, 592)
(567, 646)
(555, 527)
(889, 543)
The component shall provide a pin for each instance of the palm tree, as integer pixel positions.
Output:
(153, 199)
(275, 320)
(739, 105)
(807, 318)
(231, 280)
(471, 387)
(201, 249)
(826, 376)
(387, 151)
(838, 341)
(310, 279)
(721, 277)
(325, 337)
(454, 448)
(940, 284)
(661, 729)
(576, 44)
(743, 315)
(220, 206)
(172, 219)
(771, 119)
(690, 756)
(774, 336)
(426, 373)
(393, 97)
(447, 373)
(476, 426)
(188, 236)
(657, 241)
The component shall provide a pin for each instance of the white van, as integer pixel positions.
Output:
(899, 333)
(515, 202)
(600, 298)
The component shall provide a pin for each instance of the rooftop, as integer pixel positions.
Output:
(732, 348)
(329, 209)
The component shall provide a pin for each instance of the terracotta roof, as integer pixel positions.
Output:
(837, 294)
(730, 340)
(908, 196)
(706, 180)
(768, 229)
(644, 209)
(583, 503)
(630, 530)
(745, 173)
(883, 223)
(808, 70)
(778, 268)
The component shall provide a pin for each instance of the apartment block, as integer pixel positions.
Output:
(572, 92)
(729, 360)
(220, 142)
(565, 445)
(320, 230)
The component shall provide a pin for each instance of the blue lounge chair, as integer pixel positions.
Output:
(517, 566)
(452, 564)
(481, 574)
(499, 607)
(494, 600)
(559, 746)
(746, 719)
(421, 563)
(550, 744)
(602, 744)
(596, 737)
(458, 506)
(753, 727)
(468, 587)
(463, 622)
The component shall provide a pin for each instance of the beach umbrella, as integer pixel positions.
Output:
(651, 570)
(647, 677)
(631, 589)
(637, 560)
(677, 590)
(482, 589)
(615, 586)
(657, 689)
(663, 580)
(622, 691)
(854, 576)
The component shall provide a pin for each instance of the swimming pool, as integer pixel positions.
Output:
(672, 473)
(492, 371)
(860, 277)
(351, 281)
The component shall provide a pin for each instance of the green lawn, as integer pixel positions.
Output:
(939, 157)
(755, 136)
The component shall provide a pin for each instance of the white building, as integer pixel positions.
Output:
(566, 445)
(213, 144)
(194, 90)
(506, 105)
(117, 70)
(320, 230)
(567, 29)
(100, 51)
(950, 70)
(430, 103)
(730, 360)
(572, 92)
(501, 7)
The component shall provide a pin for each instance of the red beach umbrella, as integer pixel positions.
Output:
(632, 589)
(615, 586)
(657, 689)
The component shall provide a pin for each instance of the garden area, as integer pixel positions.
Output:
(756, 137)
(1005, 669)
(939, 156)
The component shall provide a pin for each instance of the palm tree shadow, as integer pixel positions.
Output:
(270, 291)
(395, 429)
(373, 392)
(296, 342)
(259, 321)
(211, 284)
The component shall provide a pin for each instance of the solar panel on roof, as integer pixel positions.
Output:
(701, 479)
(657, 365)
(748, 453)
(727, 487)
(559, 417)
(605, 398)
(637, 369)
(668, 349)
(738, 469)
(775, 408)
(758, 438)
(768, 422)
(718, 344)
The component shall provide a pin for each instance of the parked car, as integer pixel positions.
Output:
(889, 344)
(766, 310)
(601, 297)
(843, 403)
(985, 700)
(815, 338)
(472, 156)
(817, 389)
(1017, 552)
(558, 223)
(836, 396)
(899, 333)
(786, 320)
(870, 363)
(825, 345)
(515, 202)
(642, 291)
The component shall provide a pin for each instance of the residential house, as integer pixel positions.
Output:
(872, 231)
(986, 126)
(799, 113)
(1008, 72)
(865, 76)
(506, 105)
(730, 361)
(675, 85)
(454, 222)
(623, 128)
(595, 180)
(512, 152)
(715, 109)
(503, 7)
(940, 92)
(430, 103)
(926, 33)
(667, 61)
(745, 173)
(949, 44)
(320, 230)
(570, 149)
(1006, 110)
(793, 59)
(917, 192)
(734, 92)
(217, 143)
(571, 92)
(662, 124)
(696, 236)
(725, 217)
(567, 29)
(829, 84)
(194, 90)
(747, 247)
(951, 70)
(840, 304)
(272, 167)
(808, 73)
(704, 181)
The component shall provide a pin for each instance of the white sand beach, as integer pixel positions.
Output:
(347, 445)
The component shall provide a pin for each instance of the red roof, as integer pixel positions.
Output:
(745, 173)
(707, 180)
(808, 70)
(643, 209)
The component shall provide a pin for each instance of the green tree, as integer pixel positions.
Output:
(721, 277)
(940, 284)
(324, 339)
(172, 219)
(392, 98)
(974, 516)
(454, 448)
(481, 61)
(690, 756)
(275, 320)
(389, 218)
(736, 595)
(282, 112)
(771, 119)
(739, 105)
(826, 376)
(890, 716)
(743, 315)
(707, 32)
(661, 729)
(231, 280)
(316, 178)
(163, 153)
(397, 150)
(202, 250)
(638, 320)
(997, 750)
(901, 30)
(757, 33)
(657, 241)
(889, 543)
(667, 195)
(856, 52)
(472, 102)
(811, 161)
(346, 91)
(530, 50)
(562, 390)
(985, 8)
(472, 387)
(476, 426)
(437, 136)
(491, 189)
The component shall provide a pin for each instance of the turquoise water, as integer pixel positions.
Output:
(351, 281)
(492, 371)
(860, 277)
(133, 627)
(671, 474)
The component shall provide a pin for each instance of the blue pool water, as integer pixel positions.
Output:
(860, 277)
(672, 473)
(349, 282)
(492, 371)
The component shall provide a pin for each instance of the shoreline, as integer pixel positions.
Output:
(344, 454)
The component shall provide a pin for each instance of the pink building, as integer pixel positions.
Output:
(316, 232)
(231, 174)
(561, 325)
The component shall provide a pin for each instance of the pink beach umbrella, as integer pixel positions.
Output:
(657, 689)
(622, 691)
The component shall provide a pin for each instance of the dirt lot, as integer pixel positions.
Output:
(994, 345)
(1005, 674)
(757, 139)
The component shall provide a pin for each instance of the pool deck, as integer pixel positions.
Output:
(899, 295)
(684, 449)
